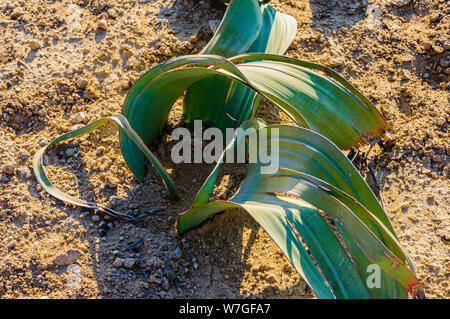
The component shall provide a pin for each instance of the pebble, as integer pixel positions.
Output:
(176, 254)
(83, 215)
(9, 168)
(434, 17)
(79, 117)
(16, 14)
(100, 150)
(204, 4)
(401, 3)
(118, 262)
(42, 142)
(68, 258)
(336, 63)
(437, 159)
(438, 49)
(82, 83)
(70, 100)
(441, 121)
(11, 245)
(69, 152)
(102, 24)
(129, 262)
(23, 173)
(102, 233)
(34, 45)
(95, 218)
(166, 284)
(154, 280)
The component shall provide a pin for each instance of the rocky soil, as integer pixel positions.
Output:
(65, 63)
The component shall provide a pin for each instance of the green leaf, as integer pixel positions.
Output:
(289, 202)
(248, 26)
(312, 100)
(151, 98)
(325, 103)
(121, 121)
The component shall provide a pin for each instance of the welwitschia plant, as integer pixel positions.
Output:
(312, 192)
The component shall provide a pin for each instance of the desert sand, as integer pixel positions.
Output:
(65, 63)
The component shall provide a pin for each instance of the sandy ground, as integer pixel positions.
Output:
(58, 70)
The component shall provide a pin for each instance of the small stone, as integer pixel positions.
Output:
(406, 75)
(176, 254)
(129, 262)
(149, 263)
(100, 150)
(102, 232)
(95, 218)
(102, 24)
(43, 141)
(434, 16)
(336, 63)
(437, 159)
(441, 121)
(69, 152)
(23, 173)
(16, 14)
(154, 280)
(204, 4)
(438, 49)
(401, 3)
(11, 244)
(404, 205)
(427, 45)
(34, 45)
(83, 215)
(9, 168)
(82, 83)
(118, 262)
(68, 258)
(70, 100)
(79, 117)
